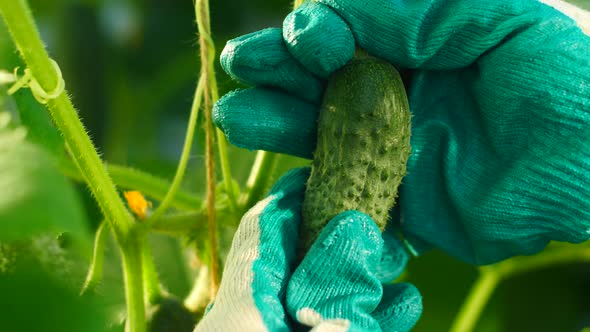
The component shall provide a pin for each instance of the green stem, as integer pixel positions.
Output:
(182, 224)
(259, 179)
(207, 58)
(96, 265)
(188, 142)
(225, 170)
(151, 282)
(561, 255)
(208, 71)
(222, 144)
(491, 276)
(19, 21)
(221, 140)
(131, 178)
(133, 274)
(479, 295)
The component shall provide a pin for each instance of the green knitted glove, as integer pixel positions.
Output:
(335, 288)
(500, 96)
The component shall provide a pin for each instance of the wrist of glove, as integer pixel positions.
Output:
(337, 286)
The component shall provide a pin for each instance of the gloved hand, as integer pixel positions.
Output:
(500, 96)
(334, 288)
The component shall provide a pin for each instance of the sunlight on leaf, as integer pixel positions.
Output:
(34, 197)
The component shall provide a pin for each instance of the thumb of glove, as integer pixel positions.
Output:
(336, 283)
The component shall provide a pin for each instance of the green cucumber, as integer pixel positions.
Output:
(362, 148)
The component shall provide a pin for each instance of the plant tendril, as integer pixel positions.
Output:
(42, 96)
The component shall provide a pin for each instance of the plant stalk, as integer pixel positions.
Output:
(259, 179)
(181, 224)
(19, 20)
(207, 58)
(186, 150)
(134, 289)
(208, 70)
(481, 291)
(151, 282)
(224, 162)
(491, 276)
(20, 23)
(131, 178)
(568, 254)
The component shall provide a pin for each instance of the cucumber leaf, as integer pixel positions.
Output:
(34, 197)
(33, 300)
(37, 120)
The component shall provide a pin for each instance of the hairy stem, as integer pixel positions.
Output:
(181, 224)
(19, 20)
(207, 58)
(208, 71)
(259, 179)
(20, 23)
(134, 291)
(151, 282)
(131, 178)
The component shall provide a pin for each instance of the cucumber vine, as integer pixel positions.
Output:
(43, 76)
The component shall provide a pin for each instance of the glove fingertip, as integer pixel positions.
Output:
(394, 259)
(400, 308)
(218, 111)
(318, 38)
(350, 238)
(352, 226)
(267, 119)
(261, 58)
(238, 53)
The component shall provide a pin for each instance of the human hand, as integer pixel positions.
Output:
(336, 286)
(500, 97)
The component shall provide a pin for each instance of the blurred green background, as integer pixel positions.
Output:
(131, 67)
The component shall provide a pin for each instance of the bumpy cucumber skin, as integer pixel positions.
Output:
(362, 149)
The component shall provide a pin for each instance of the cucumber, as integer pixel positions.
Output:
(362, 148)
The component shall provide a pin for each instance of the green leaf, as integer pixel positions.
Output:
(33, 300)
(34, 197)
(36, 119)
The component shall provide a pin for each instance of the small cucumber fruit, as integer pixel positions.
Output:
(362, 148)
